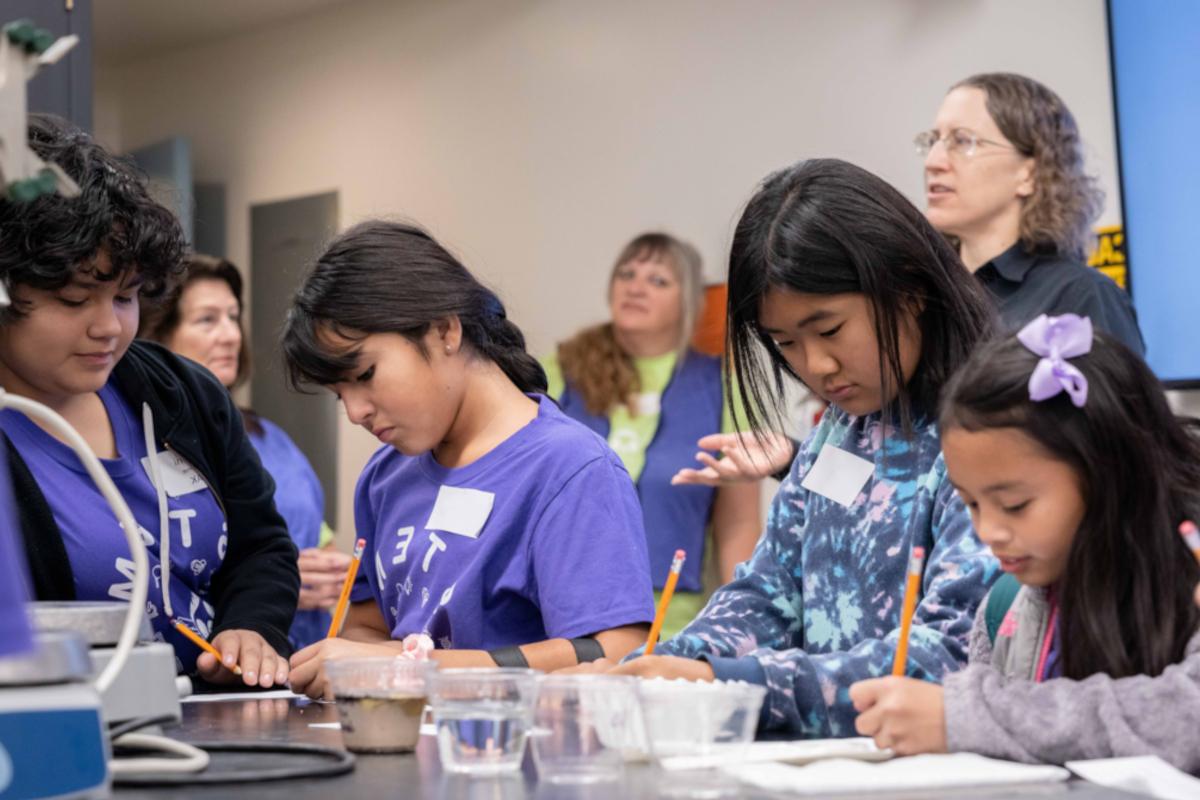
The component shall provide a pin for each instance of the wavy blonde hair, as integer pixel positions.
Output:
(594, 363)
(1065, 200)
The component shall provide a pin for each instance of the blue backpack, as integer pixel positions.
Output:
(999, 600)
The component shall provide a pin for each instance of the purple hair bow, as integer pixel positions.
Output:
(1056, 339)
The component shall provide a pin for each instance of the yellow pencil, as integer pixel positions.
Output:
(667, 592)
(912, 585)
(203, 645)
(1191, 535)
(339, 612)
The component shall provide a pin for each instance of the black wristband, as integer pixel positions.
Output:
(783, 473)
(508, 657)
(587, 649)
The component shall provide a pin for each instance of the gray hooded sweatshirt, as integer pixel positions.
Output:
(995, 708)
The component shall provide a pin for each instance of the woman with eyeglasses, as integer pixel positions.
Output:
(1005, 180)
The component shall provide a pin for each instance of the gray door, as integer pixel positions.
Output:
(285, 238)
(168, 166)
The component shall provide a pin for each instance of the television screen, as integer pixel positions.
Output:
(1155, 53)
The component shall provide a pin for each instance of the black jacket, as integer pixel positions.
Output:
(258, 583)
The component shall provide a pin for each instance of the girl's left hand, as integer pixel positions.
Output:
(904, 714)
(670, 667)
(260, 664)
(308, 665)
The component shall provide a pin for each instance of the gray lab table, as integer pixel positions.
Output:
(419, 775)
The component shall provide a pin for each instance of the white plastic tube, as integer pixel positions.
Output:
(141, 565)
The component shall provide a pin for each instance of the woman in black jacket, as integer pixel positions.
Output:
(165, 429)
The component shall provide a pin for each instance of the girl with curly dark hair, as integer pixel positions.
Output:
(166, 430)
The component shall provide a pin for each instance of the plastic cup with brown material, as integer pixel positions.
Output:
(380, 702)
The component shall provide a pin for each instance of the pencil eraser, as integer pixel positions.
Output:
(680, 554)
(919, 552)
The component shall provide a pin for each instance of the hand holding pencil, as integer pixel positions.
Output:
(237, 653)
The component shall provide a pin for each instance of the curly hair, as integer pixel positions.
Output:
(44, 242)
(1065, 200)
(594, 363)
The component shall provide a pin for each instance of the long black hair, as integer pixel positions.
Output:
(824, 226)
(44, 242)
(1126, 605)
(389, 277)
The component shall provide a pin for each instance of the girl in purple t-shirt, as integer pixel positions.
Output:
(167, 433)
(495, 525)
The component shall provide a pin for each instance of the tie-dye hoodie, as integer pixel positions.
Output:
(817, 606)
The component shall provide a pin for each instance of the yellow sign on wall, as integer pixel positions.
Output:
(1109, 255)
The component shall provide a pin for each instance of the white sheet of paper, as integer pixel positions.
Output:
(789, 752)
(179, 477)
(333, 726)
(838, 475)
(275, 694)
(913, 774)
(460, 511)
(1148, 775)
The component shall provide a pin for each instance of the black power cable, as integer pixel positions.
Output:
(316, 761)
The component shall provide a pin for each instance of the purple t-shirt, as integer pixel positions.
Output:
(301, 502)
(96, 547)
(540, 538)
(15, 636)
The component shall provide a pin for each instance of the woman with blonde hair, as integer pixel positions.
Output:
(636, 381)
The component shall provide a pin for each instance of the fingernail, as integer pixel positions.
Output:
(229, 660)
(250, 676)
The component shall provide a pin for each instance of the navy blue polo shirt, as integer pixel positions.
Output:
(1026, 284)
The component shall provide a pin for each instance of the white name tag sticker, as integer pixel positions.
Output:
(649, 403)
(179, 477)
(460, 511)
(838, 475)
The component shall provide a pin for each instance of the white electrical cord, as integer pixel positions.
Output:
(194, 759)
(141, 565)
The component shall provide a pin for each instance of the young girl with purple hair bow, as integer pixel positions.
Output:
(1077, 475)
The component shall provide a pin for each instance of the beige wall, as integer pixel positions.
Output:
(536, 137)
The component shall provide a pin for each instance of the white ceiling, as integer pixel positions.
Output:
(126, 30)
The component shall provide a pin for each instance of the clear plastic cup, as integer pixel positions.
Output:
(483, 718)
(695, 727)
(581, 727)
(380, 701)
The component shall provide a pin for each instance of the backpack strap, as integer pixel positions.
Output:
(999, 600)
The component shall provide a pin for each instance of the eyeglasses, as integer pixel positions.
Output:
(958, 142)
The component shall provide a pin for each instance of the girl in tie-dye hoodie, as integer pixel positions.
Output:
(847, 288)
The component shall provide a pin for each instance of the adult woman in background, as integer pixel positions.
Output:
(202, 320)
(636, 381)
(1004, 178)
(1005, 181)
